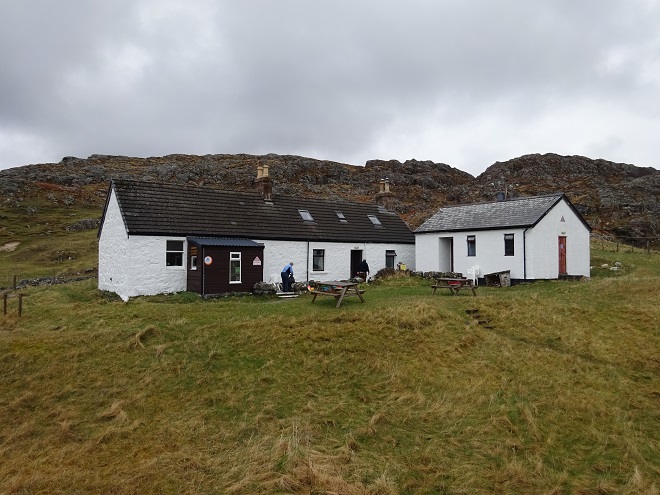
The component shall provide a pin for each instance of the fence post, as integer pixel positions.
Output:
(14, 284)
(20, 304)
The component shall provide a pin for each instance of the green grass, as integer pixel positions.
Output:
(45, 248)
(549, 388)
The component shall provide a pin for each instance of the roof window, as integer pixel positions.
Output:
(306, 215)
(341, 217)
(375, 221)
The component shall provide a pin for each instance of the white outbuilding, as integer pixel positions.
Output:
(531, 238)
(159, 238)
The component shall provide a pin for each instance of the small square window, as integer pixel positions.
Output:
(341, 217)
(174, 253)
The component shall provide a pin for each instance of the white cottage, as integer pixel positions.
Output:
(542, 237)
(159, 238)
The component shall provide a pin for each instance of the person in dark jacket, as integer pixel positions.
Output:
(363, 270)
(287, 272)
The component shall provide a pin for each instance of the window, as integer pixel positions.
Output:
(375, 221)
(341, 217)
(508, 244)
(390, 258)
(471, 245)
(234, 268)
(174, 253)
(318, 260)
(306, 216)
(193, 262)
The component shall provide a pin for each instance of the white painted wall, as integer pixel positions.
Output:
(113, 245)
(541, 242)
(433, 255)
(135, 265)
(543, 246)
(337, 258)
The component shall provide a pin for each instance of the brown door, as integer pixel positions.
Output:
(562, 255)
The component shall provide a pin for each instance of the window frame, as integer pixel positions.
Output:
(316, 256)
(509, 245)
(471, 245)
(306, 215)
(341, 217)
(390, 254)
(178, 262)
(375, 221)
(233, 259)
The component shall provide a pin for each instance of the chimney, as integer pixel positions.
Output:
(384, 197)
(263, 182)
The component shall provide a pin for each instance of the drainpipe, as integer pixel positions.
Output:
(525, 254)
(307, 264)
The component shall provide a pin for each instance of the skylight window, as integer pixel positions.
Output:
(306, 216)
(375, 221)
(341, 217)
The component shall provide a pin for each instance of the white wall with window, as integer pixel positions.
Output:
(328, 260)
(138, 265)
(485, 249)
(528, 253)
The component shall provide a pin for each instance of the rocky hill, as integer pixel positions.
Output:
(616, 199)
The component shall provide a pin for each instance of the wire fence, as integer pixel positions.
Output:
(629, 244)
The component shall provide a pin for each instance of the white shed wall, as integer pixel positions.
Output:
(433, 254)
(427, 252)
(539, 242)
(543, 244)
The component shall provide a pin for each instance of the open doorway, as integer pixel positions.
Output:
(446, 254)
(356, 258)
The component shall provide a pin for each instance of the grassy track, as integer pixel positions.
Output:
(548, 388)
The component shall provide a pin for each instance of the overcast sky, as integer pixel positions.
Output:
(465, 82)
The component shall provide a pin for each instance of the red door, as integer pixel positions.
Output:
(562, 255)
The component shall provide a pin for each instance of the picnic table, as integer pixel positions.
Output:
(338, 290)
(454, 284)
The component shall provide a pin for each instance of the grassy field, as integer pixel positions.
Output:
(545, 388)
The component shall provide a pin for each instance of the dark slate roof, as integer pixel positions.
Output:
(150, 208)
(223, 242)
(518, 212)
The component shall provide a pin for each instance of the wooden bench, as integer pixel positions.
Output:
(454, 285)
(338, 290)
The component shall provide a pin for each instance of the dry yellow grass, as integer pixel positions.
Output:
(550, 388)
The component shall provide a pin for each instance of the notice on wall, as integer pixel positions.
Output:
(208, 260)
(256, 261)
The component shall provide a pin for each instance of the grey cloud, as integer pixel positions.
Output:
(335, 78)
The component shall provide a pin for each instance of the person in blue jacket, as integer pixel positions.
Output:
(287, 272)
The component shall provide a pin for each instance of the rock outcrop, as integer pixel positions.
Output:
(616, 199)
